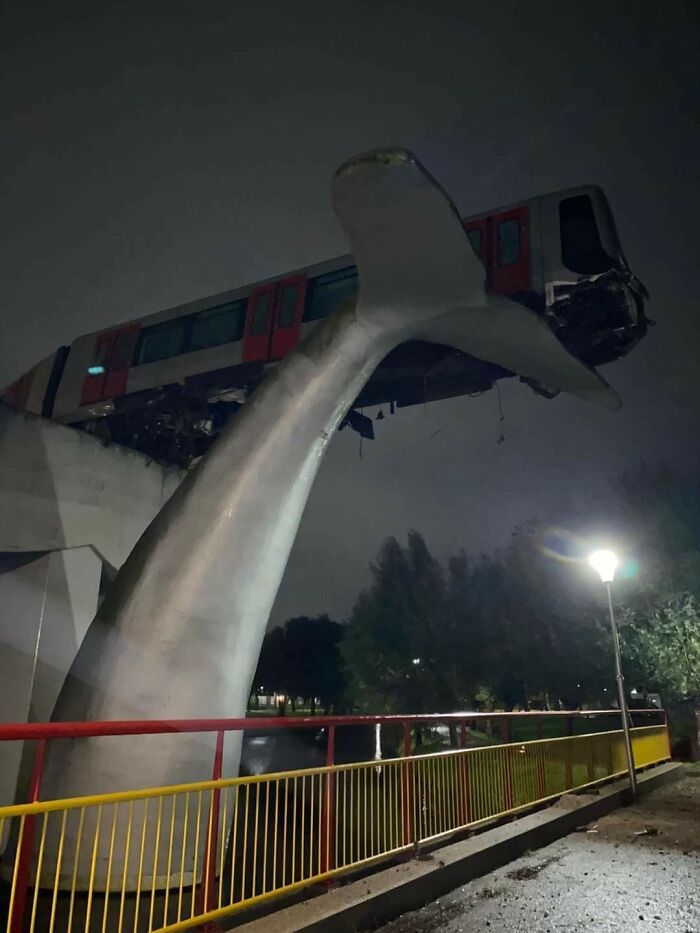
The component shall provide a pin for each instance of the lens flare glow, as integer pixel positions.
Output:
(562, 545)
(605, 564)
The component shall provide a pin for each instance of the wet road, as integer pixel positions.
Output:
(636, 870)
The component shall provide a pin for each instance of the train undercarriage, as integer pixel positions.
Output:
(598, 320)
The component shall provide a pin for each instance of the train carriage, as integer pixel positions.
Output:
(165, 384)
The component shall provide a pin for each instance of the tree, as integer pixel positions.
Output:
(659, 506)
(399, 645)
(552, 626)
(526, 625)
(301, 658)
(511, 626)
(475, 590)
(663, 645)
(313, 662)
(661, 648)
(270, 673)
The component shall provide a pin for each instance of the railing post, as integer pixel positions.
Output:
(213, 835)
(668, 734)
(591, 758)
(507, 766)
(539, 761)
(465, 808)
(25, 845)
(407, 796)
(505, 730)
(568, 753)
(611, 758)
(328, 808)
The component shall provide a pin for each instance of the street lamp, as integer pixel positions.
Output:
(605, 564)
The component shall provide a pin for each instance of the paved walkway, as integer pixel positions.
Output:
(636, 870)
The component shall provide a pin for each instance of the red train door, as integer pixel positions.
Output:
(289, 307)
(109, 368)
(258, 323)
(273, 319)
(120, 362)
(510, 246)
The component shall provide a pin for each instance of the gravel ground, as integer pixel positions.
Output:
(636, 870)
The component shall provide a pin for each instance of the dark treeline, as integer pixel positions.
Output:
(524, 627)
(301, 660)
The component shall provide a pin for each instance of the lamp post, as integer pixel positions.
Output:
(605, 564)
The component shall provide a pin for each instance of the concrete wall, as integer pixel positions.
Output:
(47, 606)
(70, 510)
(61, 488)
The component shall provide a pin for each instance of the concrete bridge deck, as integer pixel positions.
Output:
(587, 862)
(637, 870)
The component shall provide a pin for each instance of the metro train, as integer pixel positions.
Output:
(166, 384)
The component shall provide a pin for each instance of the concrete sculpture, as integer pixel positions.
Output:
(180, 630)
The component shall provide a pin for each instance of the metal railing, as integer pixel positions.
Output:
(175, 857)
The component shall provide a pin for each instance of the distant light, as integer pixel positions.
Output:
(629, 569)
(605, 563)
(96, 370)
(416, 660)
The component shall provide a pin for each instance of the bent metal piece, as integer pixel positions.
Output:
(180, 631)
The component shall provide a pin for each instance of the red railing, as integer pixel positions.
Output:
(27, 731)
(42, 733)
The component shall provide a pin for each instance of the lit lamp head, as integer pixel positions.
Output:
(605, 564)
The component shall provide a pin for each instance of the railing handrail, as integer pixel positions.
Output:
(331, 820)
(169, 790)
(41, 733)
(22, 731)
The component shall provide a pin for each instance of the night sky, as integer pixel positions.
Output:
(154, 153)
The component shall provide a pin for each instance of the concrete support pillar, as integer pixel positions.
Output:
(46, 606)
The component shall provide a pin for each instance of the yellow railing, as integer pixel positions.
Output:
(171, 858)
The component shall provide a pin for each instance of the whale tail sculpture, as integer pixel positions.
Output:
(419, 274)
(180, 631)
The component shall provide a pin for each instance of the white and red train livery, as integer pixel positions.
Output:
(166, 383)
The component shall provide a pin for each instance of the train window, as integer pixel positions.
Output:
(261, 314)
(581, 249)
(475, 240)
(216, 326)
(161, 341)
(508, 242)
(287, 306)
(326, 292)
